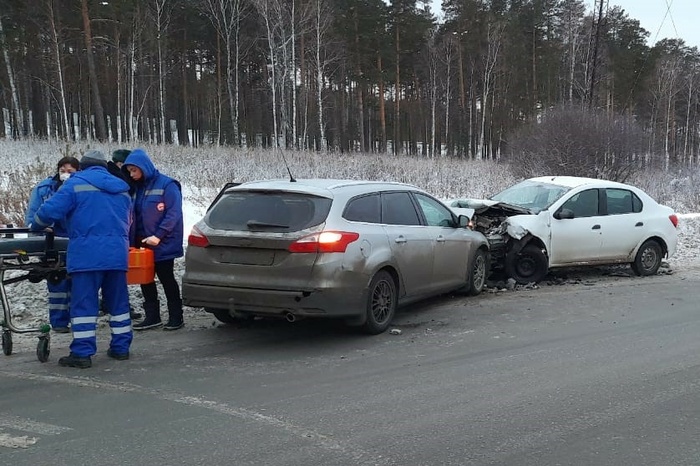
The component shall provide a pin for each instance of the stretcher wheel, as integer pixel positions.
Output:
(6, 342)
(43, 348)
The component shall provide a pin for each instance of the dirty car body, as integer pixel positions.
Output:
(560, 221)
(353, 250)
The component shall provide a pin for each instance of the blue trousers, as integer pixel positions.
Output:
(85, 305)
(59, 302)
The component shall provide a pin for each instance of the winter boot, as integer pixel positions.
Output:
(175, 320)
(75, 361)
(152, 319)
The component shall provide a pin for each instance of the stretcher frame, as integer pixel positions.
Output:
(42, 257)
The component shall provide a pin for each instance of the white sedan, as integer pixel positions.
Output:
(561, 221)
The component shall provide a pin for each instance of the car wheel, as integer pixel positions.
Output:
(476, 277)
(381, 303)
(527, 266)
(648, 258)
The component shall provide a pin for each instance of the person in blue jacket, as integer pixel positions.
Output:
(96, 209)
(158, 224)
(59, 293)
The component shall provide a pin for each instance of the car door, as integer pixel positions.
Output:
(624, 224)
(452, 247)
(577, 239)
(411, 243)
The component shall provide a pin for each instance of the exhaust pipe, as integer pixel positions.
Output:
(290, 317)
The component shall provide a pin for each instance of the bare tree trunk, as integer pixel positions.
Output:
(94, 84)
(162, 19)
(397, 94)
(382, 105)
(19, 123)
(320, 28)
(358, 73)
(494, 38)
(264, 9)
(59, 69)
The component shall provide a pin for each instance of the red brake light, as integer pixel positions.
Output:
(325, 241)
(197, 238)
(674, 220)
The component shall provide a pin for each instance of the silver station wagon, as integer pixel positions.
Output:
(353, 250)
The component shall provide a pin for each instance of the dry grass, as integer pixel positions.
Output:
(204, 170)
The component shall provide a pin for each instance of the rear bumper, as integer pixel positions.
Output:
(336, 302)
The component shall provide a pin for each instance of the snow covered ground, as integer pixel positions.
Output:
(203, 171)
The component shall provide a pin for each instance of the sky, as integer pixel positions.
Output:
(682, 22)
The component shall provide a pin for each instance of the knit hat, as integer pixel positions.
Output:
(120, 155)
(93, 158)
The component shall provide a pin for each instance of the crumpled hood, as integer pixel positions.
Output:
(100, 178)
(139, 158)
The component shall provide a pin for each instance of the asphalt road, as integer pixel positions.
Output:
(606, 372)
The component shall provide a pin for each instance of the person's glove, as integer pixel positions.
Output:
(151, 241)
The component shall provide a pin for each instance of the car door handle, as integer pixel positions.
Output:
(596, 227)
(440, 239)
(639, 224)
(400, 239)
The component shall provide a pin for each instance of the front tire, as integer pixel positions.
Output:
(648, 259)
(381, 303)
(478, 271)
(527, 266)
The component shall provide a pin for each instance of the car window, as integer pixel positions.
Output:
(533, 195)
(622, 201)
(364, 209)
(436, 214)
(398, 209)
(268, 211)
(583, 204)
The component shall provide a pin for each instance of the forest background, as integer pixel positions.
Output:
(355, 76)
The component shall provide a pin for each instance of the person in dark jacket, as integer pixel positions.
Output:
(59, 293)
(158, 224)
(96, 207)
(114, 166)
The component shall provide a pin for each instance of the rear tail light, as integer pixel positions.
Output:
(674, 219)
(325, 241)
(197, 238)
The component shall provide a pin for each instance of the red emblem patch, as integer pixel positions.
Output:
(160, 206)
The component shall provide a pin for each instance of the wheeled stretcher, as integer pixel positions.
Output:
(35, 257)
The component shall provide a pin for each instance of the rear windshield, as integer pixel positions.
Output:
(268, 211)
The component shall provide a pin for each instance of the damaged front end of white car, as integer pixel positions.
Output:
(516, 236)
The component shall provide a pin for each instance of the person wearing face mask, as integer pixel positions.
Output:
(59, 293)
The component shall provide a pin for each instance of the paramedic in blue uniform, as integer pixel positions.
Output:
(158, 224)
(96, 207)
(59, 293)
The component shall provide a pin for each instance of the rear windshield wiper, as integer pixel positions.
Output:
(257, 224)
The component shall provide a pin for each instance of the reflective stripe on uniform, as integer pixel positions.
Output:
(58, 307)
(154, 192)
(85, 187)
(84, 334)
(84, 320)
(58, 295)
(120, 330)
(120, 317)
(38, 221)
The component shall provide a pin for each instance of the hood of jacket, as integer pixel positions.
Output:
(139, 158)
(100, 178)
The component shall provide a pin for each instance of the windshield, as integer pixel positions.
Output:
(532, 195)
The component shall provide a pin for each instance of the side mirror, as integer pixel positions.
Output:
(563, 214)
(463, 221)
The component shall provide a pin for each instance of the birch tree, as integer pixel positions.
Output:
(161, 12)
(19, 121)
(226, 16)
(92, 70)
